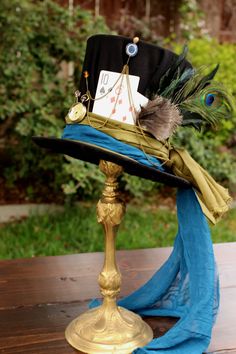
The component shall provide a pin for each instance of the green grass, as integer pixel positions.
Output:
(76, 230)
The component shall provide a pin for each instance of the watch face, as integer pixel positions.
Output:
(76, 113)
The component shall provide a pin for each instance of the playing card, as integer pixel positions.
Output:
(128, 111)
(114, 96)
(140, 101)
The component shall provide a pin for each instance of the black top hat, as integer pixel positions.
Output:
(108, 52)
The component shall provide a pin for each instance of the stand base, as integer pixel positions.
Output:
(108, 330)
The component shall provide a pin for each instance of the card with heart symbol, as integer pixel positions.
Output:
(112, 98)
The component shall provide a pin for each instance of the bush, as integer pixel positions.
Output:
(38, 40)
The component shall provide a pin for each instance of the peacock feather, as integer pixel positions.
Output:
(206, 107)
(195, 99)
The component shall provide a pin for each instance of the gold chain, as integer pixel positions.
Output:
(121, 77)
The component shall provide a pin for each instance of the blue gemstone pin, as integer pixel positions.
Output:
(131, 49)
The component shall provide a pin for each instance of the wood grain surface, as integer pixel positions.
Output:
(40, 296)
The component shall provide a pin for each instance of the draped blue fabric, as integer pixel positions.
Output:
(186, 286)
(93, 136)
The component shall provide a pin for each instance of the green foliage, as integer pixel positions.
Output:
(191, 20)
(76, 230)
(38, 40)
(139, 187)
(87, 179)
(211, 52)
(218, 161)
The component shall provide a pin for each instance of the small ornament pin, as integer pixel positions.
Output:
(132, 48)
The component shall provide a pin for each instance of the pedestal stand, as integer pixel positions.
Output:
(109, 328)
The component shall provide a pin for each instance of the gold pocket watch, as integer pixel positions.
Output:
(78, 111)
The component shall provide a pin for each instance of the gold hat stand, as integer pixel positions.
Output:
(109, 328)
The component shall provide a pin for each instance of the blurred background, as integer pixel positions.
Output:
(42, 46)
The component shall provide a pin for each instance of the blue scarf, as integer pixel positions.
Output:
(187, 285)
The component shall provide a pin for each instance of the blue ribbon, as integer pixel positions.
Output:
(187, 285)
(93, 136)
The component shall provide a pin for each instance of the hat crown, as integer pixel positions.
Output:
(108, 52)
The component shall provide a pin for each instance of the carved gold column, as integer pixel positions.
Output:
(109, 328)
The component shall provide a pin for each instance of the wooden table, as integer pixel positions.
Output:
(40, 296)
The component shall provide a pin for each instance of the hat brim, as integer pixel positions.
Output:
(93, 153)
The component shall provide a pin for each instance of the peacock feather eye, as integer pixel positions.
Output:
(212, 100)
(209, 99)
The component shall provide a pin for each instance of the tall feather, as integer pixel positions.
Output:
(172, 73)
(185, 97)
(194, 84)
(177, 84)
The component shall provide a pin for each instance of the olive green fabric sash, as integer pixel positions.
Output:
(213, 198)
